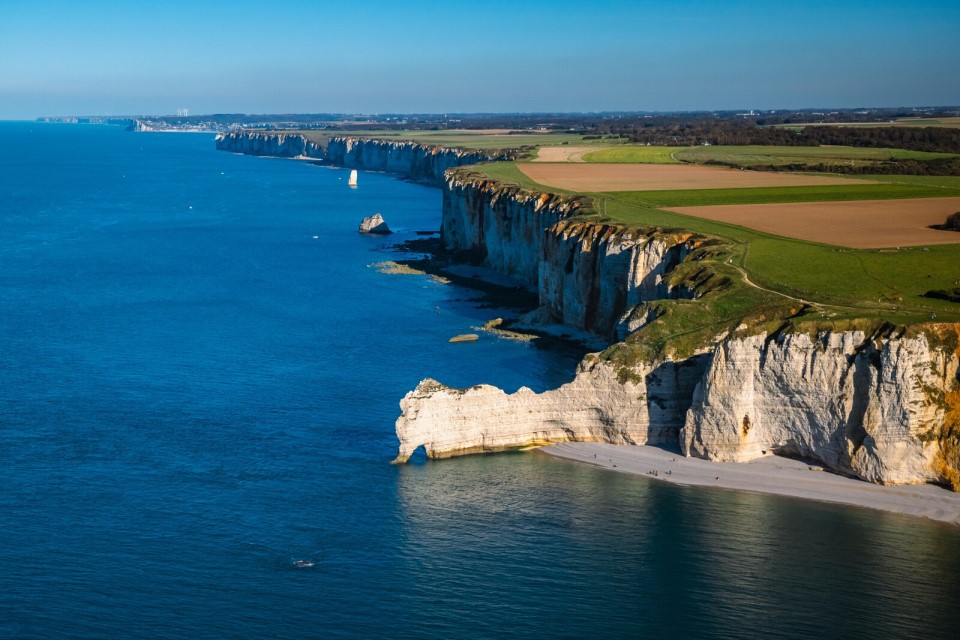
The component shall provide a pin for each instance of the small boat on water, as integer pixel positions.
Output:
(303, 563)
(353, 178)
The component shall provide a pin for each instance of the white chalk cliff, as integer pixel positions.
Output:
(420, 162)
(883, 406)
(871, 408)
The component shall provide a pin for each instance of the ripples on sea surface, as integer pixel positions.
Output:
(196, 393)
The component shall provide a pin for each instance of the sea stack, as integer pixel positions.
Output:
(374, 224)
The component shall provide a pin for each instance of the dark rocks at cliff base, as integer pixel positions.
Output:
(374, 224)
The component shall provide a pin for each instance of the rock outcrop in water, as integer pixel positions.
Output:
(419, 162)
(374, 224)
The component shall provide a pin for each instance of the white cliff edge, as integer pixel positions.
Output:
(865, 407)
(450, 422)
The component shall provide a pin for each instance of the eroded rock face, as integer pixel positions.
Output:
(871, 407)
(587, 275)
(502, 227)
(594, 407)
(262, 143)
(592, 274)
(421, 162)
(424, 163)
(859, 405)
(374, 224)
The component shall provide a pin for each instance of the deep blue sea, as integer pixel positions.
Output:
(195, 392)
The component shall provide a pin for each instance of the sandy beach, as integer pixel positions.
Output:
(771, 474)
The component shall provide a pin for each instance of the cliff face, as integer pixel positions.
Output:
(883, 407)
(588, 275)
(501, 226)
(262, 143)
(862, 405)
(423, 163)
(592, 274)
(595, 407)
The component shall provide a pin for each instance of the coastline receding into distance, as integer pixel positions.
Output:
(861, 396)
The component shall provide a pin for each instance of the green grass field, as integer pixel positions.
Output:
(775, 156)
(886, 187)
(771, 195)
(754, 155)
(845, 284)
(861, 281)
(640, 154)
(946, 182)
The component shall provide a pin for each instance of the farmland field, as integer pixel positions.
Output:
(766, 195)
(829, 251)
(859, 224)
(657, 177)
(755, 155)
(645, 154)
(889, 282)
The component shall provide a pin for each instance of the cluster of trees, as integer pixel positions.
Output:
(915, 138)
(732, 132)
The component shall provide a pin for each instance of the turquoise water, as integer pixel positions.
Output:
(195, 392)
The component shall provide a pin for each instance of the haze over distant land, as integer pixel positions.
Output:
(101, 58)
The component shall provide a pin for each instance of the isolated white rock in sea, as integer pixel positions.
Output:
(374, 224)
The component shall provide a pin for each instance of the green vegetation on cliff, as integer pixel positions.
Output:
(750, 279)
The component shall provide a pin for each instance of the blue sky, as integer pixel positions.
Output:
(373, 57)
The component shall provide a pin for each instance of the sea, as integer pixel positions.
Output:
(201, 369)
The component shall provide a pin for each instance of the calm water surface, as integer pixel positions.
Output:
(195, 392)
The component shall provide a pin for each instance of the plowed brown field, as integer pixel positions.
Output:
(860, 224)
(663, 177)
